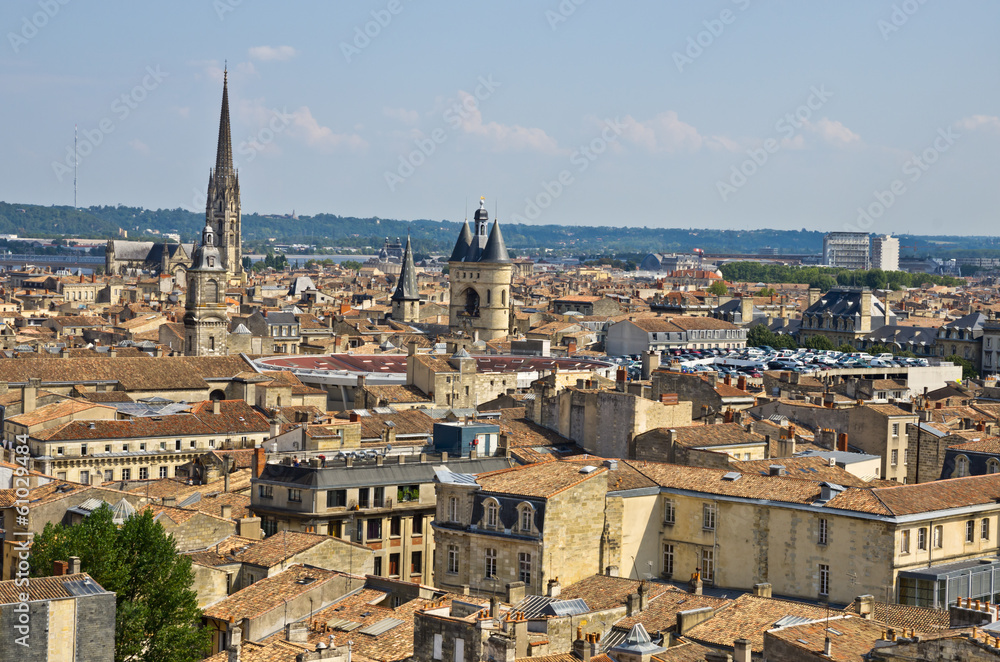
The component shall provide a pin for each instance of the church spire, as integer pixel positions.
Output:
(406, 288)
(224, 152)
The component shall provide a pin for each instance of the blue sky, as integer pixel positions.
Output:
(872, 114)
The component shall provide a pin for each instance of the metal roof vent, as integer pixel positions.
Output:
(732, 475)
(588, 469)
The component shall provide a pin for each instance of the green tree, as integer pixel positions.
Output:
(846, 348)
(818, 343)
(718, 288)
(766, 292)
(968, 370)
(157, 617)
(782, 341)
(351, 265)
(247, 264)
(760, 336)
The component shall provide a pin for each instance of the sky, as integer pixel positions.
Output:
(873, 115)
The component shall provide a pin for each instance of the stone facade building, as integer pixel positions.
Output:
(526, 524)
(480, 273)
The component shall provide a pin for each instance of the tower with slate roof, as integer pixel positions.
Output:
(406, 298)
(480, 273)
(222, 209)
(206, 324)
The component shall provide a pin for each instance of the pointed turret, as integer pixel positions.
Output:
(496, 249)
(222, 208)
(462, 245)
(406, 288)
(224, 151)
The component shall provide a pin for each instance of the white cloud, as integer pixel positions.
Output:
(268, 127)
(403, 115)
(139, 146)
(667, 133)
(833, 132)
(272, 53)
(502, 137)
(308, 129)
(979, 122)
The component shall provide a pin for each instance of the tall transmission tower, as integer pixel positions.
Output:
(76, 165)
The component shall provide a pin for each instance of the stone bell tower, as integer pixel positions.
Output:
(205, 319)
(480, 273)
(222, 209)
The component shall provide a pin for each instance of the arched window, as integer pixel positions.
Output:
(961, 466)
(525, 517)
(993, 466)
(492, 514)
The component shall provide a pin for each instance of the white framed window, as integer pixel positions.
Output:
(904, 542)
(669, 511)
(491, 562)
(524, 567)
(961, 466)
(126, 474)
(163, 472)
(894, 457)
(453, 509)
(492, 514)
(526, 517)
(668, 558)
(895, 429)
(824, 530)
(453, 559)
(708, 517)
(143, 473)
(922, 538)
(992, 466)
(984, 529)
(970, 531)
(708, 564)
(824, 579)
(938, 536)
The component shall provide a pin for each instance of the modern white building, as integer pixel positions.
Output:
(885, 253)
(851, 250)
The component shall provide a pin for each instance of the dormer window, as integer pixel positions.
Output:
(492, 514)
(211, 261)
(525, 518)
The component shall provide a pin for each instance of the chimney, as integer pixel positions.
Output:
(865, 314)
(29, 395)
(762, 590)
(741, 383)
(59, 568)
(235, 643)
(515, 593)
(633, 605)
(258, 462)
(169, 501)
(842, 442)
(864, 605)
(814, 295)
(554, 588)
(216, 407)
(226, 511)
(741, 650)
(620, 378)
(74, 565)
(776, 470)
(297, 632)
(786, 447)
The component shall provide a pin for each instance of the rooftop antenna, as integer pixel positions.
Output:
(76, 164)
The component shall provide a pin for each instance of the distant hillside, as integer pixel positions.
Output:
(329, 230)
